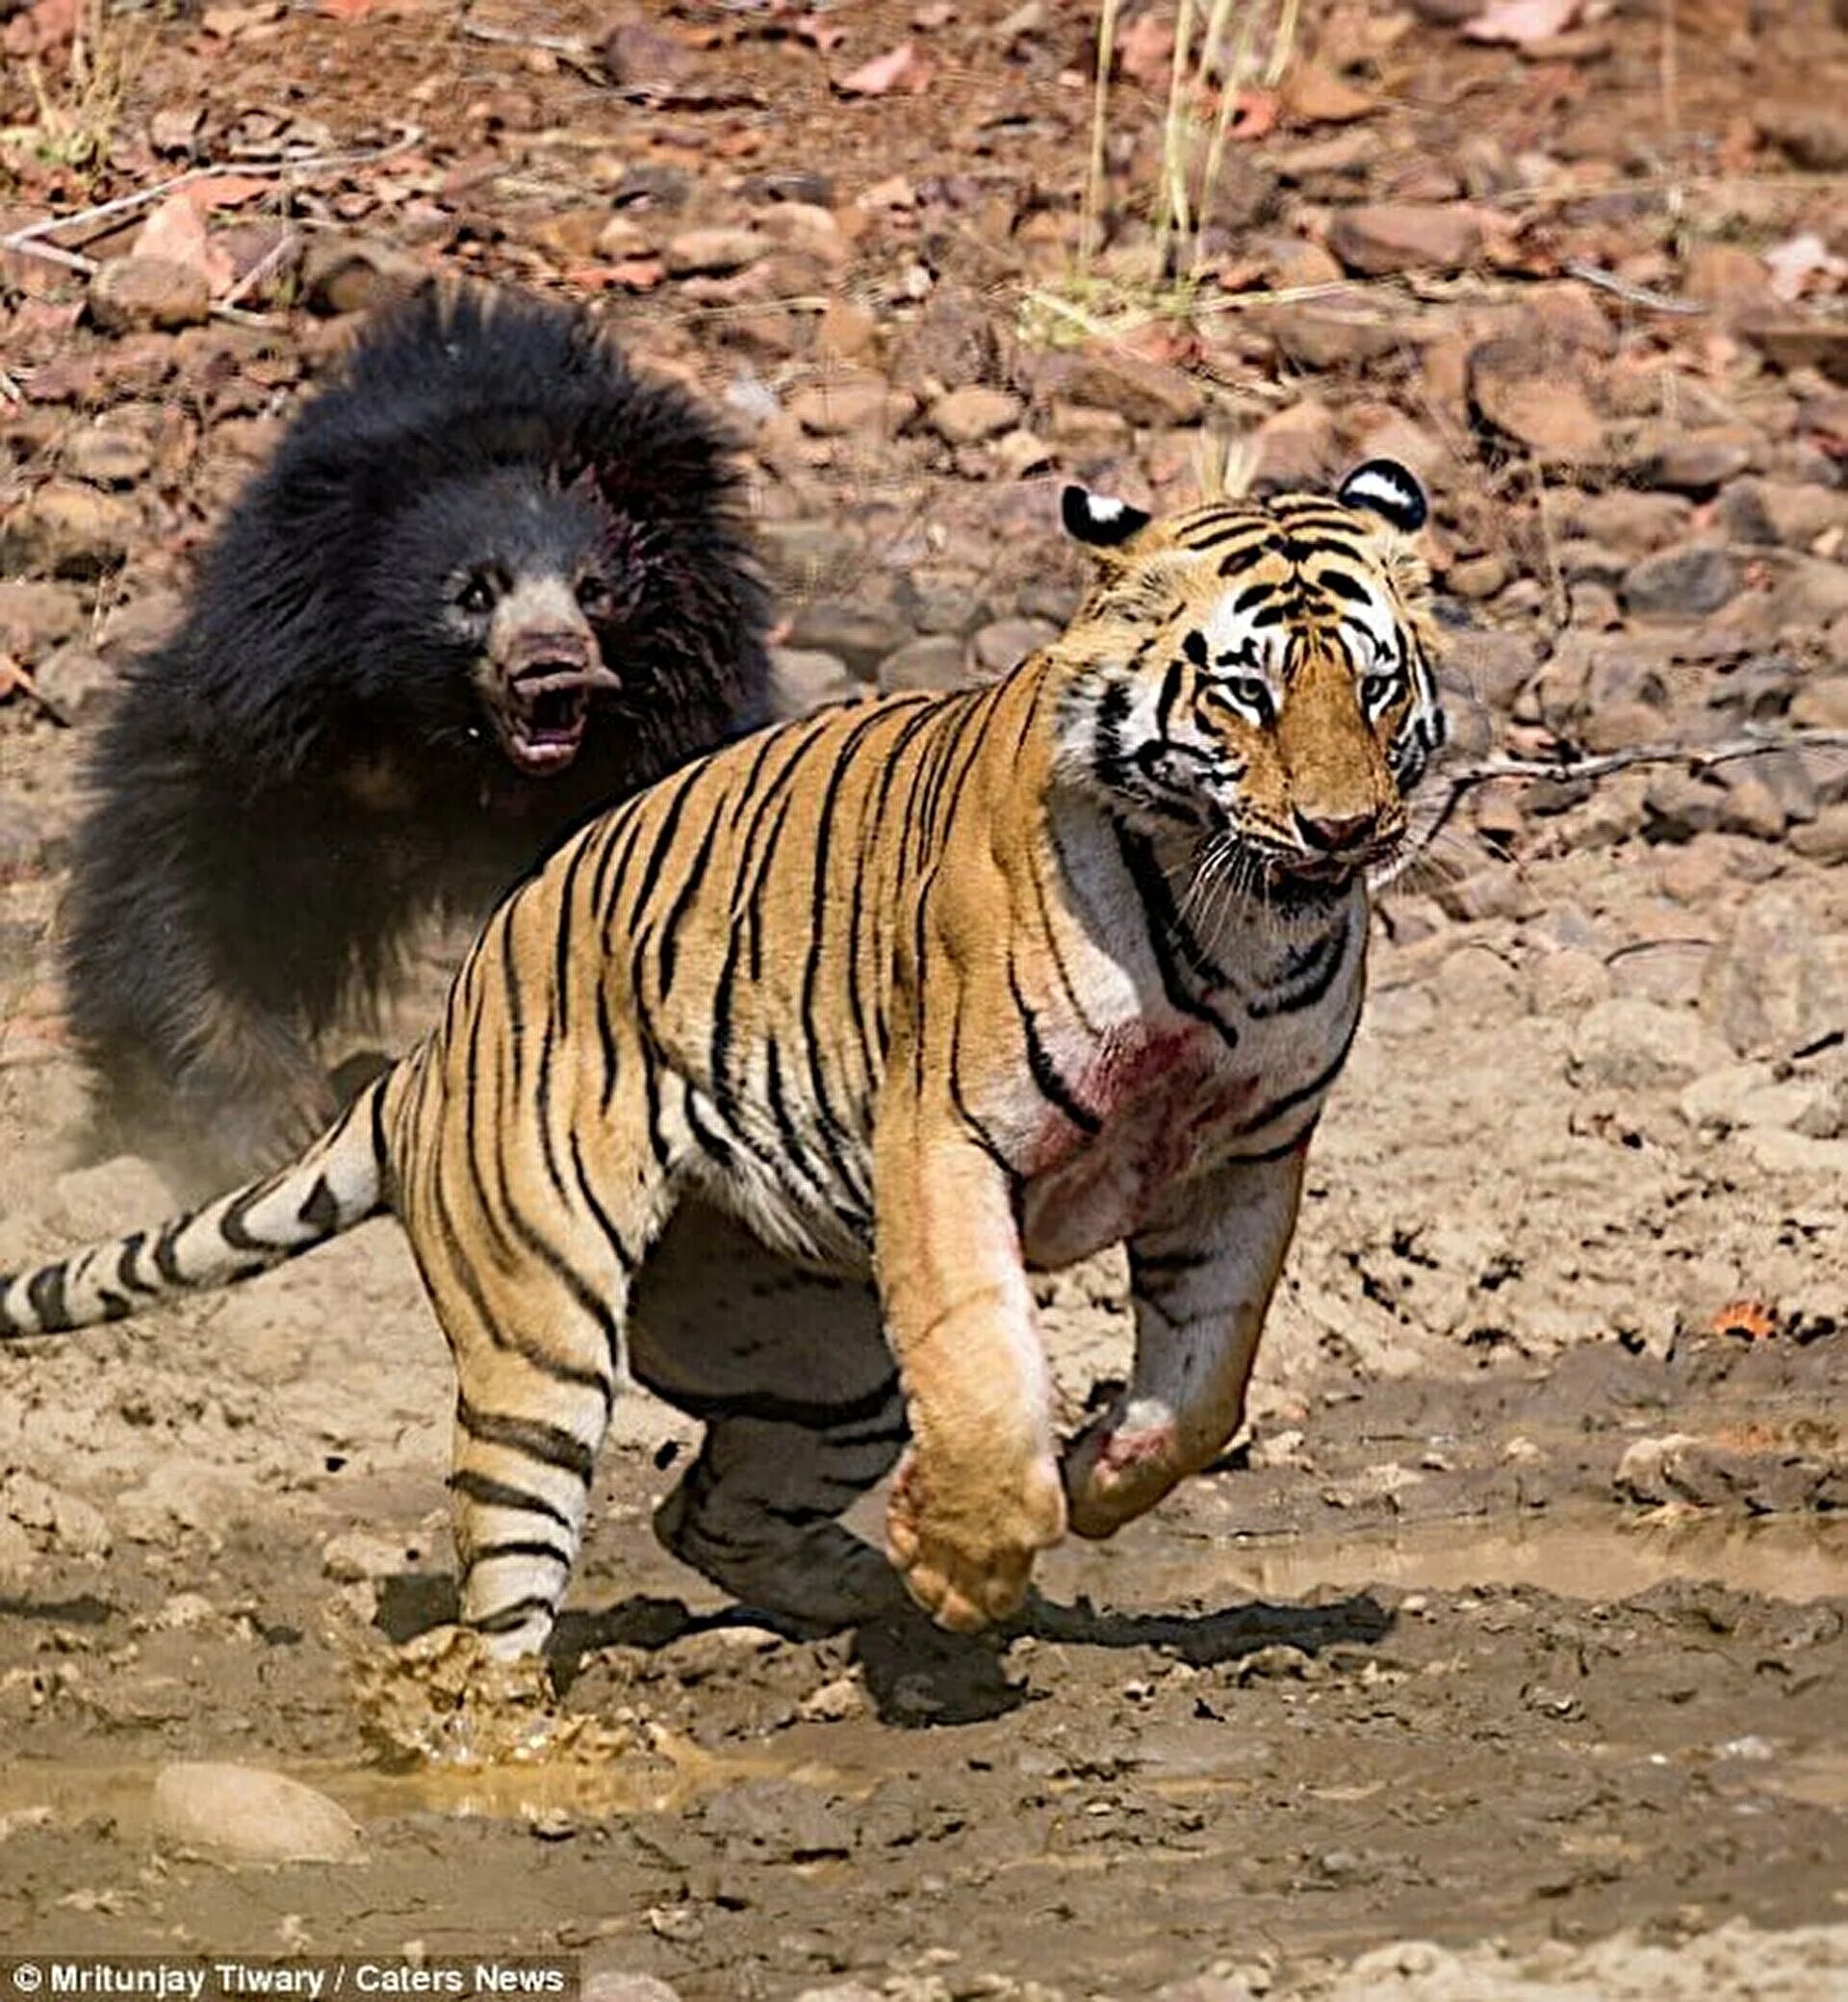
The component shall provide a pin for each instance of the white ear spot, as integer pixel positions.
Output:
(1386, 488)
(1100, 520)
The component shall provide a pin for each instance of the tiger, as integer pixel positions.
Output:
(929, 989)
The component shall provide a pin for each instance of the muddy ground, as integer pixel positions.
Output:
(1517, 1623)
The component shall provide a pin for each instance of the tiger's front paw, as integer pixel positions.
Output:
(967, 1557)
(1117, 1469)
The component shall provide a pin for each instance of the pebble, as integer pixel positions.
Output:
(252, 1816)
(843, 408)
(1632, 1044)
(935, 660)
(613, 1985)
(1379, 238)
(1005, 643)
(1142, 393)
(35, 617)
(70, 529)
(1825, 839)
(856, 635)
(136, 294)
(1538, 404)
(805, 678)
(1685, 581)
(969, 416)
(711, 253)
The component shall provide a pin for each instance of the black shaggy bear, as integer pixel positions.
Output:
(491, 581)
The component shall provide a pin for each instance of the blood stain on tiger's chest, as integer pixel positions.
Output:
(1159, 1097)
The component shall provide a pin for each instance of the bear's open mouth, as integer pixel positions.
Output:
(543, 714)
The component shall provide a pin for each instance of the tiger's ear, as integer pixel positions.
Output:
(1386, 488)
(1099, 520)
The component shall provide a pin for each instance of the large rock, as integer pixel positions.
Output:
(251, 1816)
(853, 406)
(1534, 403)
(1776, 986)
(969, 416)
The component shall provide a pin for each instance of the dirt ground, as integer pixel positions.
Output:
(1516, 1626)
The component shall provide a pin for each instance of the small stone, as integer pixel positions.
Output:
(1566, 983)
(1688, 581)
(1382, 238)
(131, 295)
(1534, 403)
(969, 416)
(1496, 664)
(1811, 135)
(613, 1985)
(35, 617)
(856, 635)
(1749, 807)
(1719, 1098)
(834, 1701)
(25, 852)
(1639, 1046)
(76, 682)
(70, 529)
(251, 1816)
(1295, 446)
(805, 678)
(350, 274)
(1695, 464)
(1144, 393)
(1678, 805)
(840, 1992)
(1802, 343)
(107, 457)
(711, 253)
(355, 1555)
(1007, 642)
(1083, 431)
(1019, 453)
(937, 660)
(1825, 839)
(1320, 334)
(841, 409)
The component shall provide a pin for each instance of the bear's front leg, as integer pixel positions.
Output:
(978, 1493)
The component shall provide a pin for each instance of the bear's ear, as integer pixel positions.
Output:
(1099, 520)
(1385, 488)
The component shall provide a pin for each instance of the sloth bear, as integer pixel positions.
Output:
(491, 581)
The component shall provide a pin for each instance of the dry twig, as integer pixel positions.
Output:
(1697, 757)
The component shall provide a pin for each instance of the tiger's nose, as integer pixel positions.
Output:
(1336, 833)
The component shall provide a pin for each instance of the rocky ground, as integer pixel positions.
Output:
(1517, 1624)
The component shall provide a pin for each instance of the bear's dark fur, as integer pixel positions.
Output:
(491, 581)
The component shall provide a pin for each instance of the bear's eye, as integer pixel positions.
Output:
(476, 597)
(595, 595)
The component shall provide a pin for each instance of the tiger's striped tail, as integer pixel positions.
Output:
(340, 1181)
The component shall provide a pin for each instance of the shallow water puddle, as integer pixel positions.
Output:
(1576, 1556)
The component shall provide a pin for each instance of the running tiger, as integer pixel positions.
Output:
(935, 986)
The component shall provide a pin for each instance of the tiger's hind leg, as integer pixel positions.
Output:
(790, 1373)
(530, 1276)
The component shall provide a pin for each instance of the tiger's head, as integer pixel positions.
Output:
(1258, 673)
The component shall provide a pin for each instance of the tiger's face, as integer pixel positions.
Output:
(1258, 673)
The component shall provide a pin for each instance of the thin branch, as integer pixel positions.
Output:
(1700, 756)
(272, 260)
(1631, 294)
(126, 204)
